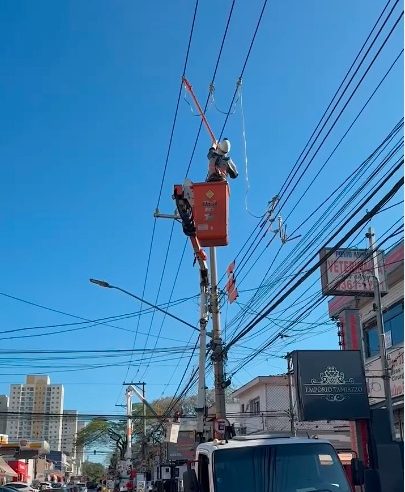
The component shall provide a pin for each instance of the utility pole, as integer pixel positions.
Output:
(381, 332)
(201, 399)
(143, 399)
(200, 257)
(218, 349)
(290, 395)
(128, 395)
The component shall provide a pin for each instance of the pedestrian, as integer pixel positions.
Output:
(220, 165)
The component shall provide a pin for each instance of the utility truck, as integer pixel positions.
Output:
(269, 464)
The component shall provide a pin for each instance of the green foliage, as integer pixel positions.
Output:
(94, 471)
(99, 432)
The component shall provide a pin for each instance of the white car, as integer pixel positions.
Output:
(21, 487)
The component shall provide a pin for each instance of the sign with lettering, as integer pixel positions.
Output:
(375, 383)
(350, 272)
(330, 385)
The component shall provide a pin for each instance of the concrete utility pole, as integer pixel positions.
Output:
(381, 332)
(218, 352)
(142, 397)
(128, 395)
(290, 395)
(201, 399)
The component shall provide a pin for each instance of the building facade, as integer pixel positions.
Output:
(79, 451)
(27, 404)
(264, 406)
(3, 413)
(69, 432)
(393, 315)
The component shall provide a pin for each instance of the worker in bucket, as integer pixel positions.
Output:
(220, 165)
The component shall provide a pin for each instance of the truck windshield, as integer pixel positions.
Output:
(279, 468)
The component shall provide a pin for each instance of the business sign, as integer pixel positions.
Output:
(185, 447)
(350, 272)
(172, 432)
(330, 385)
(375, 383)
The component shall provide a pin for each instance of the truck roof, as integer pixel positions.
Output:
(258, 440)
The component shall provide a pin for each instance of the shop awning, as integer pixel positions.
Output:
(6, 469)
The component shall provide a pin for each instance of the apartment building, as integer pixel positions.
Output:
(3, 413)
(79, 450)
(35, 411)
(69, 432)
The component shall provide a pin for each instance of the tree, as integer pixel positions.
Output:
(94, 471)
(186, 406)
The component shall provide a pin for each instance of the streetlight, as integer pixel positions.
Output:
(103, 283)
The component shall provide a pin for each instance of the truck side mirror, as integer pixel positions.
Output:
(190, 481)
(357, 471)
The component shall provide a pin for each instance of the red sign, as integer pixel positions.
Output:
(349, 272)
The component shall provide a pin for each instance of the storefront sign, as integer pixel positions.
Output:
(349, 272)
(375, 383)
(330, 385)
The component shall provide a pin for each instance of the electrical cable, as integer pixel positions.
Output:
(334, 97)
(353, 229)
(165, 169)
(215, 70)
(244, 66)
(354, 176)
(321, 299)
(290, 178)
(319, 224)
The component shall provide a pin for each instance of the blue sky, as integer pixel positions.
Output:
(88, 92)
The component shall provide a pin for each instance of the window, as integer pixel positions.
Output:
(393, 326)
(279, 468)
(242, 408)
(254, 406)
(203, 475)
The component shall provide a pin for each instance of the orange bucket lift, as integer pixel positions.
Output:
(204, 210)
(204, 207)
(211, 212)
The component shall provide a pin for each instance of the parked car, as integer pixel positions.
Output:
(21, 487)
(7, 489)
(82, 487)
(72, 487)
(45, 486)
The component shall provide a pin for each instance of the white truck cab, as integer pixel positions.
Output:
(266, 464)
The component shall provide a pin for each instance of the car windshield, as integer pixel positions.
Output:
(279, 468)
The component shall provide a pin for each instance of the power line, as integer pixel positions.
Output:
(165, 167)
(244, 65)
(310, 309)
(280, 194)
(358, 224)
(297, 165)
(319, 223)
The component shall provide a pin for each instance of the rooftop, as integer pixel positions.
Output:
(258, 440)
(276, 380)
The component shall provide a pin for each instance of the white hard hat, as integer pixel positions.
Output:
(224, 146)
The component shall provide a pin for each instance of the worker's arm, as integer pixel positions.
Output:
(232, 171)
(212, 153)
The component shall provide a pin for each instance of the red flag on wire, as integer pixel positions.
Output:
(230, 287)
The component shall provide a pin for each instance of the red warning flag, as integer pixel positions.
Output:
(230, 287)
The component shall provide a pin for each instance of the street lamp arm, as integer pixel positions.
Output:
(102, 283)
